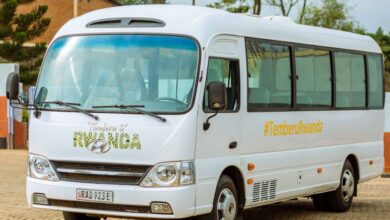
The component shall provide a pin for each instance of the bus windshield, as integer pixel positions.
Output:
(156, 73)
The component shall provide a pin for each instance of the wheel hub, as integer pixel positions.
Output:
(347, 185)
(227, 207)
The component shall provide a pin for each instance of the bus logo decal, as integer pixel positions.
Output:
(99, 147)
(289, 129)
(102, 138)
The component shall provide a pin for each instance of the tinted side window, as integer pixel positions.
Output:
(269, 75)
(227, 71)
(350, 80)
(314, 85)
(375, 81)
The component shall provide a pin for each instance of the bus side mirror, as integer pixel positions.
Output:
(216, 100)
(216, 96)
(12, 86)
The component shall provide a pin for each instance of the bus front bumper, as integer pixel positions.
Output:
(128, 201)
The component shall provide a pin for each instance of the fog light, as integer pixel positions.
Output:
(40, 199)
(161, 208)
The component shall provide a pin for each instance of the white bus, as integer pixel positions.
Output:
(176, 111)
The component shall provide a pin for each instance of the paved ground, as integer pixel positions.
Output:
(373, 201)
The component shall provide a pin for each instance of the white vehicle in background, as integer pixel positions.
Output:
(176, 111)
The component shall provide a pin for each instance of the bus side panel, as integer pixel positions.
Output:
(302, 153)
(371, 165)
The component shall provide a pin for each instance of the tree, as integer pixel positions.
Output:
(238, 6)
(335, 14)
(16, 30)
(384, 42)
(235, 6)
(303, 11)
(332, 14)
(256, 7)
(285, 6)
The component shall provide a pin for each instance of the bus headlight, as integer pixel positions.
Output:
(40, 168)
(170, 175)
(167, 173)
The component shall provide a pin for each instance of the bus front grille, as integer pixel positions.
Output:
(100, 173)
(99, 206)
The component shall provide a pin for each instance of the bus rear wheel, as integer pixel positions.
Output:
(341, 199)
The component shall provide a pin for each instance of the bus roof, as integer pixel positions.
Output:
(204, 23)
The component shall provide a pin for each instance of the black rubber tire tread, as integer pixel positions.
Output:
(334, 201)
(320, 202)
(335, 198)
(224, 182)
(78, 216)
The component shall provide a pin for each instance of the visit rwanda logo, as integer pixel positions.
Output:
(102, 138)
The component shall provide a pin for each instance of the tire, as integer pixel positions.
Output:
(226, 194)
(78, 216)
(341, 199)
(320, 202)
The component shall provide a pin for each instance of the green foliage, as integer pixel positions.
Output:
(16, 30)
(284, 6)
(235, 6)
(384, 42)
(332, 14)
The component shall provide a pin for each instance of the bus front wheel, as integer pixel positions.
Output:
(225, 205)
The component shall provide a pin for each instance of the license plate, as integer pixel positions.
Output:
(94, 195)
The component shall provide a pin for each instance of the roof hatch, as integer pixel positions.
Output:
(126, 23)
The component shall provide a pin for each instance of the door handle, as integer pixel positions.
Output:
(233, 145)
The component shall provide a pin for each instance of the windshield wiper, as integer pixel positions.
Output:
(133, 108)
(72, 106)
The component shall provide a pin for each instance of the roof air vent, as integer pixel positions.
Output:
(126, 23)
(105, 23)
(145, 23)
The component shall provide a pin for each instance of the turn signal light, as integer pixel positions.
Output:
(251, 166)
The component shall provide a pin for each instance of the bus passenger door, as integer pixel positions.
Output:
(219, 145)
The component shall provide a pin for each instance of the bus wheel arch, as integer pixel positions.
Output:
(339, 200)
(228, 197)
(354, 161)
(237, 177)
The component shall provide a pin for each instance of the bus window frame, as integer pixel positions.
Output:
(238, 83)
(332, 77)
(292, 75)
(197, 78)
(332, 50)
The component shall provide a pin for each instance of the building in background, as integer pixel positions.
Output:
(61, 11)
